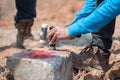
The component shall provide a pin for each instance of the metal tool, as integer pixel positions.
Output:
(43, 33)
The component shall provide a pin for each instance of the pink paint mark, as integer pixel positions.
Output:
(40, 54)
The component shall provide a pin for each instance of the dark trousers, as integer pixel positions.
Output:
(103, 37)
(26, 9)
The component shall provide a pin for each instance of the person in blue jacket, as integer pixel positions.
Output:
(96, 17)
(24, 19)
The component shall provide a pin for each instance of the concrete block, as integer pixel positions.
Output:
(41, 65)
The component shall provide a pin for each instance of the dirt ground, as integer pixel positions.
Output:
(55, 12)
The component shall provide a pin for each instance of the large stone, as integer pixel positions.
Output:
(41, 65)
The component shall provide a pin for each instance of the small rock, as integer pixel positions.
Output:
(114, 58)
(5, 74)
(113, 73)
(92, 75)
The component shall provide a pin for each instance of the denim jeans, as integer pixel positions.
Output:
(103, 37)
(26, 9)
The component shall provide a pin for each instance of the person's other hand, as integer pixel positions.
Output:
(58, 33)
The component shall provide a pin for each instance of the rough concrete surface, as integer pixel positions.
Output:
(41, 65)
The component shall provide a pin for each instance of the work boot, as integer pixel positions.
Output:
(24, 31)
(28, 32)
(92, 58)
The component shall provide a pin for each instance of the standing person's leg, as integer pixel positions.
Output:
(24, 19)
(26, 9)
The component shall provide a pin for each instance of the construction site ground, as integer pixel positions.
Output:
(55, 12)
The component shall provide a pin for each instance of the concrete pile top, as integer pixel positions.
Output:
(41, 65)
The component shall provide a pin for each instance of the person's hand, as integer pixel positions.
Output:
(58, 33)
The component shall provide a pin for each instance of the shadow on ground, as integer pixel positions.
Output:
(3, 48)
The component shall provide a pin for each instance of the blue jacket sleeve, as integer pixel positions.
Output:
(103, 14)
(88, 8)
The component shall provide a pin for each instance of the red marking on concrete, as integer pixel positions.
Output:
(40, 54)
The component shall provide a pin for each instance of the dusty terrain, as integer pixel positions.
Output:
(55, 12)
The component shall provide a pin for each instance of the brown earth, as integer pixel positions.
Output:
(55, 12)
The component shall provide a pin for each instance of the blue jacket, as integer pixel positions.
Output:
(91, 19)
